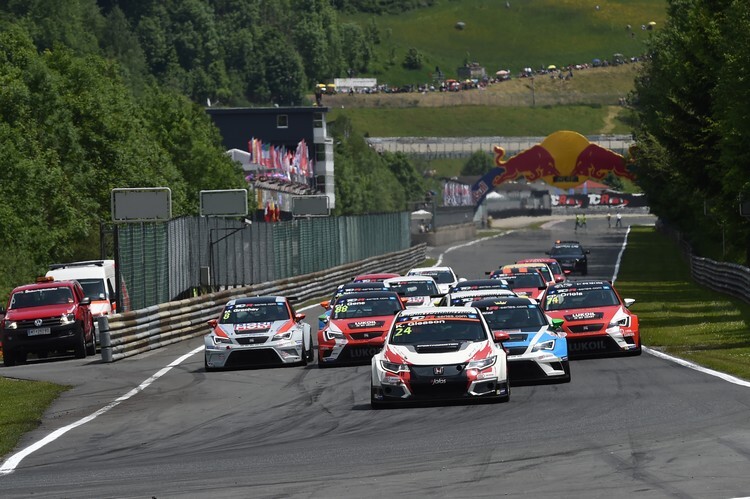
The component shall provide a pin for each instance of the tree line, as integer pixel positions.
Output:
(692, 102)
(98, 95)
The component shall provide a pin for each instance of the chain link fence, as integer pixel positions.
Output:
(192, 255)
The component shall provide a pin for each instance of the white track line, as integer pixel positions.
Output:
(440, 258)
(677, 360)
(13, 461)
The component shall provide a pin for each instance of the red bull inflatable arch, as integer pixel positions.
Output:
(564, 159)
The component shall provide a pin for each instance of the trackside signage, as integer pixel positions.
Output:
(143, 204)
(224, 203)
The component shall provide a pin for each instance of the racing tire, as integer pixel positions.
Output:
(311, 354)
(205, 365)
(9, 358)
(80, 350)
(502, 400)
(635, 352)
(566, 368)
(375, 404)
(91, 349)
(42, 354)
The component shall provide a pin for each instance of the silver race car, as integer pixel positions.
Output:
(258, 331)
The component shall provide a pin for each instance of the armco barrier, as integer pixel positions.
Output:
(727, 278)
(153, 327)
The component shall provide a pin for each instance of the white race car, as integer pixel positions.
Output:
(258, 331)
(416, 290)
(444, 276)
(439, 353)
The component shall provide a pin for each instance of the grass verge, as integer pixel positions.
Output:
(678, 316)
(21, 407)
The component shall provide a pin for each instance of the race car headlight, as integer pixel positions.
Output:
(282, 336)
(545, 345)
(482, 364)
(221, 339)
(394, 367)
(624, 322)
(11, 325)
(67, 319)
(332, 335)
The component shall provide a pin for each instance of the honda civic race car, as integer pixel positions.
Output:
(537, 350)
(357, 327)
(444, 276)
(464, 298)
(597, 320)
(542, 268)
(258, 331)
(417, 290)
(374, 277)
(436, 353)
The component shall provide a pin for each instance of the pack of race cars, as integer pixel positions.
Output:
(430, 335)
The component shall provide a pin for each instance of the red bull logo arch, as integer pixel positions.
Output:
(564, 159)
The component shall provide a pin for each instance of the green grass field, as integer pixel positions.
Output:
(678, 316)
(530, 33)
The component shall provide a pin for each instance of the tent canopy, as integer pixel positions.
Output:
(421, 215)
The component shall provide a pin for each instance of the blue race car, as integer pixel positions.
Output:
(537, 349)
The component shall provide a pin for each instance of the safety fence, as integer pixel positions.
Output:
(728, 278)
(194, 255)
(138, 331)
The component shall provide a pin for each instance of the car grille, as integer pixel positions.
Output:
(366, 336)
(358, 354)
(251, 340)
(259, 357)
(586, 347)
(525, 370)
(586, 328)
(46, 322)
(516, 350)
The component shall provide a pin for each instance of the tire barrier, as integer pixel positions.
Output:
(139, 331)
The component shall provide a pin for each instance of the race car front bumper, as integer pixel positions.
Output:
(281, 352)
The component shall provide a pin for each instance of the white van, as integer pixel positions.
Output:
(97, 278)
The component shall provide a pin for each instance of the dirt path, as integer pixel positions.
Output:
(609, 120)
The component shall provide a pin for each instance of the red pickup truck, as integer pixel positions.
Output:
(47, 316)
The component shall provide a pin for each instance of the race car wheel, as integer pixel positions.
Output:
(80, 350)
(311, 354)
(374, 403)
(205, 364)
(636, 352)
(566, 368)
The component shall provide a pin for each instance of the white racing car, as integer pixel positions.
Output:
(439, 353)
(258, 331)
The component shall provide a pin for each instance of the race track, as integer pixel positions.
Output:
(624, 427)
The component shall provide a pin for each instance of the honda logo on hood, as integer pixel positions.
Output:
(439, 370)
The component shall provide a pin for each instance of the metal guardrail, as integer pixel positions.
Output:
(728, 278)
(153, 327)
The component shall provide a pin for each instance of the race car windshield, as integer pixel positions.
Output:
(524, 281)
(441, 277)
(41, 297)
(365, 308)
(555, 268)
(514, 317)
(472, 287)
(415, 288)
(432, 331)
(245, 313)
(581, 298)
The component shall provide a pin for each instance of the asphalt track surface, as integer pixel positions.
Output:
(623, 427)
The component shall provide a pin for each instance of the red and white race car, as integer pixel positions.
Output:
(597, 320)
(357, 327)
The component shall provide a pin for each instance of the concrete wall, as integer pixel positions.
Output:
(446, 235)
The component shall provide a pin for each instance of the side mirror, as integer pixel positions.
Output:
(3, 310)
(628, 302)
(500, 336)
(462, 279)
(559, 279)
(403, 299)
(212, 322)
(102, 296)
(587, 252)
(325, 304)
(557, 323)
(488, 272)
(299, 317)
(86, 301)
(546, 252)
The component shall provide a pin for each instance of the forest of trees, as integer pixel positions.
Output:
(693, 103)
(109, 93)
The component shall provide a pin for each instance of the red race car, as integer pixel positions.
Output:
(528, 283)
(597, 320)
(357, 327)
(554, 265)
